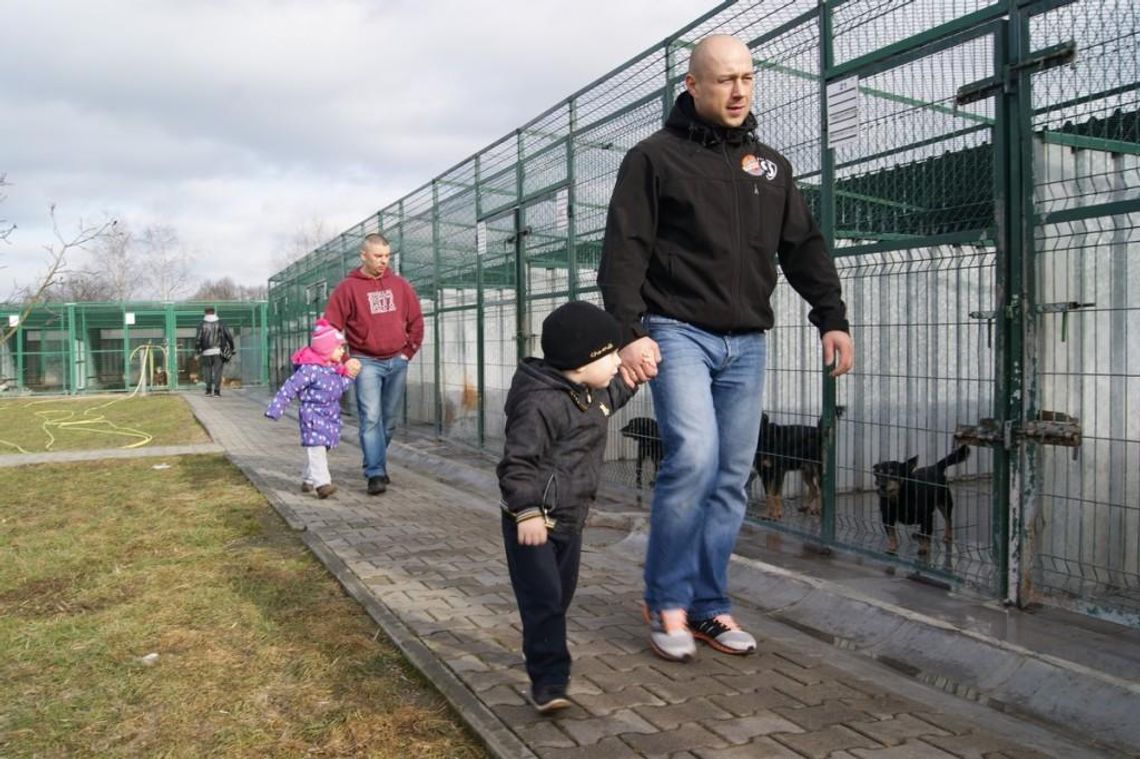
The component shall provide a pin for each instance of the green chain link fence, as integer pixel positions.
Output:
(984, 224)
(78, 348)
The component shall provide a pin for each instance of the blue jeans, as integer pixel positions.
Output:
(707, 396)
(379, 401)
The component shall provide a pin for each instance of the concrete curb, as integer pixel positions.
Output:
(962, 662)
(965, 663)
(494, 733)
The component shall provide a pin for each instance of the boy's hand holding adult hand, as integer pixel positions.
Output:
(532, 532)
(639, 361)
(352, 367)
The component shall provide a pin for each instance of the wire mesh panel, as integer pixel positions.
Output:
(926, 366)
(455, 212)
(1086, 168)
(499, 264)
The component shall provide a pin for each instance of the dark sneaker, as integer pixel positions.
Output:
(376, 485)
(217, 393)
(550, 698)
(306, 487)
(669, 635)
(324, 491)
(723, 634)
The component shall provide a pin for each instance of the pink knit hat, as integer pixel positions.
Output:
(326, 338)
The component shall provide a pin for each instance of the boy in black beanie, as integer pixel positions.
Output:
(557, 411)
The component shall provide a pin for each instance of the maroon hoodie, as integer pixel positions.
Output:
(380, 316)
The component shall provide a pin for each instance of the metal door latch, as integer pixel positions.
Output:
(1049, 428)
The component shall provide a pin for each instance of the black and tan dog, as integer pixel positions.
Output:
(784, 448)
(643, 429)
(911, 496)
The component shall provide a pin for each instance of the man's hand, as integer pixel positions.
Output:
(532, 532)
(352, 367)
(839, 350)
(639, 361)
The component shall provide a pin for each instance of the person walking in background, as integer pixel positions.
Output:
(212, 340)
(379, 313)
(557, 411)
(318, 381)
(700, 212)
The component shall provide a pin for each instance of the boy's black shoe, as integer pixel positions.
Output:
(376, 485)
(549, 698)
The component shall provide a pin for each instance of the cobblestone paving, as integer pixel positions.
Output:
(431, 555)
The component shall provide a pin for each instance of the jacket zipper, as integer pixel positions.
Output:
(736, 294)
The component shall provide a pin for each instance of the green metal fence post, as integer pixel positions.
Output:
(480, 314)
(571, 237)
(827, 227)
(1023, 396)
(1008, 190)
(18, 341)
(263, 320)
(126, 347)
(437, 296)
(69, 354)
(521, 310)
(171, 343)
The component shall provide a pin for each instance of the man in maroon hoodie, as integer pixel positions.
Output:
(379, 313)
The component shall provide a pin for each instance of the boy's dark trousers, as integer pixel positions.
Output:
(544, 578)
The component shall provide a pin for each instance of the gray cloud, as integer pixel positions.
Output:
(237, 122)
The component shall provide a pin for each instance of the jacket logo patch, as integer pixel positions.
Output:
(759, 167)
(381, 302)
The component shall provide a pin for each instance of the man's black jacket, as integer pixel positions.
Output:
(698, 217)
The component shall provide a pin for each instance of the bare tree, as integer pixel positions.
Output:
(81, 287)
(116, 261)
(307, 238)
(56, 265)
(6, 229)
(168, 264)
(226, 289)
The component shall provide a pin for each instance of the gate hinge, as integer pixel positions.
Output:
(1049, 428)
(1040, 60)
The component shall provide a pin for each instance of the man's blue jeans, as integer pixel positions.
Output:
(379, 401)
(708, 397)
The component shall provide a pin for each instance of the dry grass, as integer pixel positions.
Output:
(260, 653)
(36, 425)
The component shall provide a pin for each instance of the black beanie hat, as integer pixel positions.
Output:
(578, 333)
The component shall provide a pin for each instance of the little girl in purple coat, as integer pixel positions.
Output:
(319, 379)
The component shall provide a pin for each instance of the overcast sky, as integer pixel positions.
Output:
(237, 122)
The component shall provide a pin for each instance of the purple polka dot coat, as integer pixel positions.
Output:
(319, 389)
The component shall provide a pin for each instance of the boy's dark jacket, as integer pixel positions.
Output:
(555, 442)
(698, 216)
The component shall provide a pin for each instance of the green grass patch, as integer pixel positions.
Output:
(259, 650)
(39, 425)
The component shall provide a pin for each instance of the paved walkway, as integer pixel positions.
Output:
(426, 561)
